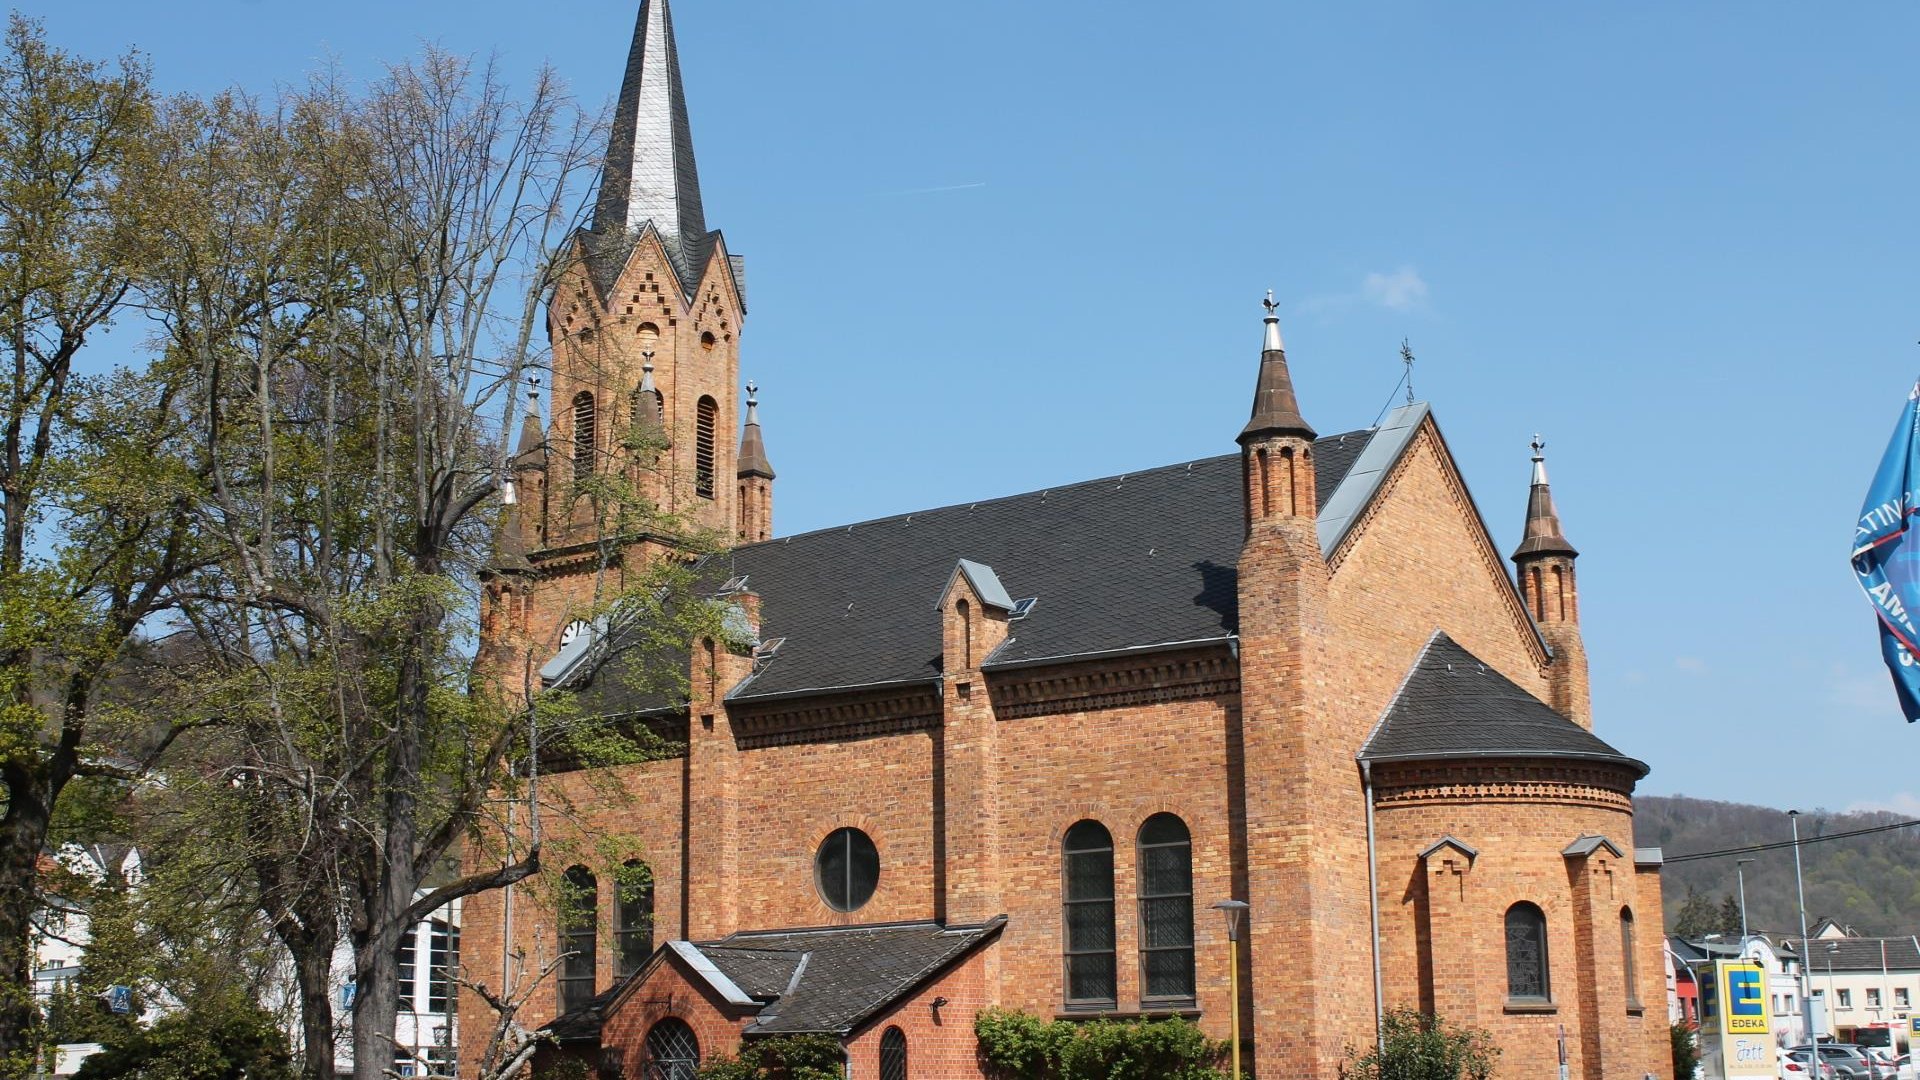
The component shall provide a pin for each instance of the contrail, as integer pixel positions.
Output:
(940, 188)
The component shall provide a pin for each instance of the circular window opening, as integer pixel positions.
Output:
(847, 869)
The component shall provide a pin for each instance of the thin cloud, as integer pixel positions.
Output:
(1904, 803)
(1690, 664)
(1402, 290)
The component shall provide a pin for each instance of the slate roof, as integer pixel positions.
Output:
(1863, 954)
(825, 981)
(1454, 705)
(845, 975)
(1122, 562)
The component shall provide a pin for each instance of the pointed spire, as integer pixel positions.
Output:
(646, 402)
(753, 451)
(1275, 409)
(649, 174)
(1542, 535)
(533, 440)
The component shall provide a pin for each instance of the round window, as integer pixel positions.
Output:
(846, 869)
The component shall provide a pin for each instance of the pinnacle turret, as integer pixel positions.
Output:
(1542, 535)
(1275, 409)
(753, 450)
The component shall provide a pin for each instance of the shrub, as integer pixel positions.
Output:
(783, 1057)
(1423, 1047)
(1686, 1051)
(1016, 1046)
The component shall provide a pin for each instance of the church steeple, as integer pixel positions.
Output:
(649, 174)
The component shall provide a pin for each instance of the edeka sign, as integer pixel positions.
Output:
(1738, 1032)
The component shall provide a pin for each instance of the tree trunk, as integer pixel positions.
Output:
(23, 835)
(313, 967)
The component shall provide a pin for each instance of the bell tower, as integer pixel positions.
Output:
(644, 321)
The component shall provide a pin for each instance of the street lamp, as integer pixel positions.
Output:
(1832, 947)
(1740, 868)
(1806, 946)
(1233, 910)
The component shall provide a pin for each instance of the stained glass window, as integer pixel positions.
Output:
(1087, 900)
(579, 914)
(893, 1055)
(1166, 908)
(1527, 954)
(633, 918)
(847, 869)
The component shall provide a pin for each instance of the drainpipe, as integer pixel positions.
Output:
(1373, 911)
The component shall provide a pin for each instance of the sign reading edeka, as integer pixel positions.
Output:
(1733, 1016)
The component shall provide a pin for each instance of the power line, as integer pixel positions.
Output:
(1751, 848)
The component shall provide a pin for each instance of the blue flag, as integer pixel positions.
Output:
(1886, 554)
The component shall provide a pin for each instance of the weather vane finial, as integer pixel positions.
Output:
(752, 389)
(1269, 304)
(1539, 444)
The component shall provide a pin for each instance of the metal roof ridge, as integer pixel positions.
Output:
(1363, 480)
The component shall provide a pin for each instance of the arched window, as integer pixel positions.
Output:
(708, 418)
(893, 1054)
(1166, 908)
(1527, 954)
(579, 914)
(633, 918)
(583, 433)
(1627, 966)
(672, 1051)
(1087, 902)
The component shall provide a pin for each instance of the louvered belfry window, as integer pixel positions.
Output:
(584, 422)
(1166, 908)
(1087, 908)
(1527, 953)
(703, 459)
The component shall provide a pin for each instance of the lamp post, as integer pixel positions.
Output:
(1740, 869)
(1832, 947)
(1806, 946)
(1233, 910)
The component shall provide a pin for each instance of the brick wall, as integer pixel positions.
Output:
(1443, 920)
(940, 1042)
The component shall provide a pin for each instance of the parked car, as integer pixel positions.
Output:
(1851, 1062)
(1798, 1065)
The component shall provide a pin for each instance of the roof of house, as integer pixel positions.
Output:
(805, 981)
(1452, 704)
(1123, 562)
(1863, 953)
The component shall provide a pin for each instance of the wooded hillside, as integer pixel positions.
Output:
(1870, 882)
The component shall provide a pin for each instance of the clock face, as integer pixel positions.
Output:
(573, 630)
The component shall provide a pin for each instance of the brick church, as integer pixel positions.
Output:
(1013, 752)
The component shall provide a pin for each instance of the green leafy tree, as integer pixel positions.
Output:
(1017, 1046)
(95, 477)
(1417, 1046)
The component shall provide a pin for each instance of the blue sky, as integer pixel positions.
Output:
(1000, 245)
